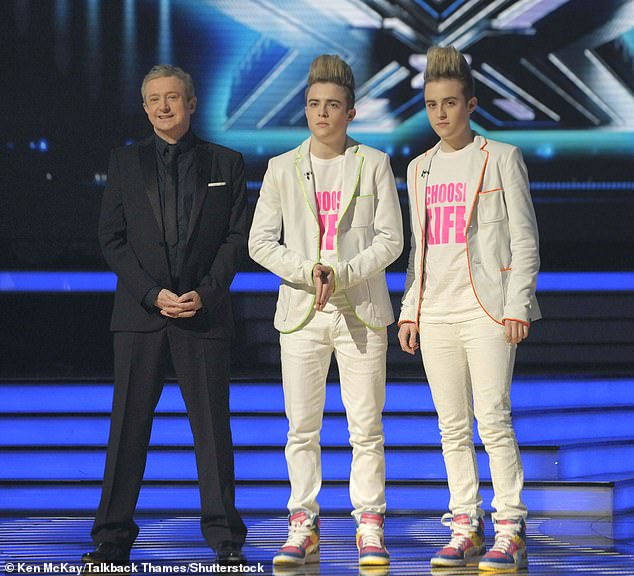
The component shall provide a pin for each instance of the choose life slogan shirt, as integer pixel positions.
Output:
(328, 174)
(447, 293)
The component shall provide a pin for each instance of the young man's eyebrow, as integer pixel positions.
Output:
(326, 99)
(443, 99)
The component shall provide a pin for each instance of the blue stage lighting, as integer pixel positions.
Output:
(262, 282)
(571, 185)
(546, 151)
(563, 498)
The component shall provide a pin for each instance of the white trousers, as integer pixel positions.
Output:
(469, 366)
(360, 352)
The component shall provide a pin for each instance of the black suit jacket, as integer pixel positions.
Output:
(131, 237)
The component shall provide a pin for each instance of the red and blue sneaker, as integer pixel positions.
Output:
(371, 541)
(302, 545)
(466, 546)
(508, 554)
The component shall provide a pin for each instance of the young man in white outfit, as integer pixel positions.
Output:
(470, 298)
(328, 223)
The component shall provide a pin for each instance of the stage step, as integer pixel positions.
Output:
(608, 460)
(552, 426)
(253, 464)
(554, 498)
(576, 439)
(248, 396)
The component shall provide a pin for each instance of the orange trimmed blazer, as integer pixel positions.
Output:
(501, 231)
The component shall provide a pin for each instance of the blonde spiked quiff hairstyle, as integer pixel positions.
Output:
(331, 68)
(446, 63)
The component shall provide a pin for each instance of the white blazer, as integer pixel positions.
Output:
(285, 236)
(502, 239)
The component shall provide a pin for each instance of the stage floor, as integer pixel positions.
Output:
(173, 544)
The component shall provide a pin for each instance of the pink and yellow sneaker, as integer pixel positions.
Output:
(370, 540)
(466, 546)
(508, 554)
(302, 544)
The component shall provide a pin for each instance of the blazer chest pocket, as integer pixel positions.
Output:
(363, 211)
(491, 206)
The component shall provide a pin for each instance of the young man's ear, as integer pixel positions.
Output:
(472, 104)
(351, 114)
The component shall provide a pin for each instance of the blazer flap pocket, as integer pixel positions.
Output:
(491, 207)
(363, 210)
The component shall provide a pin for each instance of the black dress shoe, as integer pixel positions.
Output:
(230, 554)
(107, 553)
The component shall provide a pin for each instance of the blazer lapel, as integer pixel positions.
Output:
(352, 163)
(477, 167)
(147, 158)
(305, 177)
(421, 176)
(204, 158)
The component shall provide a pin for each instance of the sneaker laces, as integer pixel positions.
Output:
(460, 533)
(371, 535)
(298, 531)
(504, 534)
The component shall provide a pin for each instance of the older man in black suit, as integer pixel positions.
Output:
(173, 229)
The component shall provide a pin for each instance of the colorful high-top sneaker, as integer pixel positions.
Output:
(370, 540)
(508, 554)
(467, 542)
(302, 545)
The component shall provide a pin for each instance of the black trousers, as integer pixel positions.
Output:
(202, 370)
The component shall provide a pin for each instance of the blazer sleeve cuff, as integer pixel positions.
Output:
(517, 320)
(150, 298)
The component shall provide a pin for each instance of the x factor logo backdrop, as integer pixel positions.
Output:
(556, 76)
(558, 66)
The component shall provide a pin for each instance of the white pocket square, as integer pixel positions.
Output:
(213, 184)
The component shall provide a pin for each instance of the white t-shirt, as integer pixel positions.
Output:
(447, 293)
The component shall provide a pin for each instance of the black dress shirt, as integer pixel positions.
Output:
(184, 201)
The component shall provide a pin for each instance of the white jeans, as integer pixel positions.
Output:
(360, 352)
(469, 366)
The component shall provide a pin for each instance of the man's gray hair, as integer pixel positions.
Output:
(166, 70)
